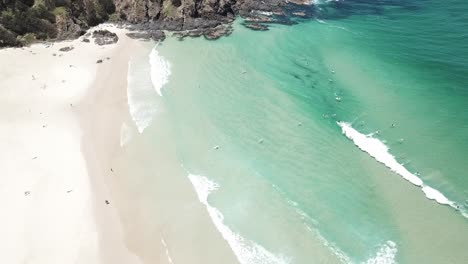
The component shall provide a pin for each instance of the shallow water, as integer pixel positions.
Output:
(254, 120)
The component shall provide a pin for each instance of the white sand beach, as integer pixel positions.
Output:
(69, 192)
(50, 207)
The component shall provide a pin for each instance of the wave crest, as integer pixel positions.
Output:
(385, 255)
(246, 251)
(160, 70)
(379, 151)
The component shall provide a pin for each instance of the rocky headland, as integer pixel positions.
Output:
(26, 21)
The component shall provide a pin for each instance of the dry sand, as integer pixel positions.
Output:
(52, 209)
(69, 192)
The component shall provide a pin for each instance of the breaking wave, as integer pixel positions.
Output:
(379, 151)
(163, 242)
(385, 255)
(160, 70)
(140, 94)
(246, 251)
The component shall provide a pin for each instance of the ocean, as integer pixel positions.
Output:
(341, 139)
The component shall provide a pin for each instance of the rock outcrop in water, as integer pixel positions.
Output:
(24, 21)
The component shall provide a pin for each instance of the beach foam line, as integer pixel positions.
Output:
(141, 96)
(385, 254)
(125, 134)
(163, 242)
(379, 151)
(246, 251)
(340, 254)
(160, 70)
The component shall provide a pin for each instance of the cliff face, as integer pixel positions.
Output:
(152, 10)
(22, 21)
(175, 14)
(192, 14)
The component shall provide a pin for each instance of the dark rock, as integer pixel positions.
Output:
(66, 49)
(256, 26)
(259, 18)
(217, 32)
(104, 37)
(68, 28)
(210, 33)
(70, 19)
(203, 23)
(86, 40)
(156, 35)
(196, 18)
(139, 35)
(99, 61)
(169, 24)
(246, 8)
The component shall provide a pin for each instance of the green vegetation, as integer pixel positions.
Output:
(59, 11)
(114, 17)
(168, 9)
(22, 18)
(24, 21)
(7, 38)
(40, 11)
(27, 39)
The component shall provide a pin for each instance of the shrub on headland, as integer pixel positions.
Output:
(28, 20)
(7, 38)
(27, 39)
(23, 17)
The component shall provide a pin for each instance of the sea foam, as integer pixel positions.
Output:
(379, 151)
(125, 134)
(160, 70)
(385, 254)
(341, 255)
(163, 242)
(140, 94)
(246, 251)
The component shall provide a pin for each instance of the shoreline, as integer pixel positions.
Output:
(105, 109)
(55, 195)
(145, 21)
(75, 194)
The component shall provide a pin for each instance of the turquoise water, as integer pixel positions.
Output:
(254, 118)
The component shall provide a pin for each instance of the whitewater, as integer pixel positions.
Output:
(379, 151)
(250, 252)
(145, 80)
(246, 251)
(160, 70)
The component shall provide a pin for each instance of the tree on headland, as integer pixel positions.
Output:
(23, 21)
